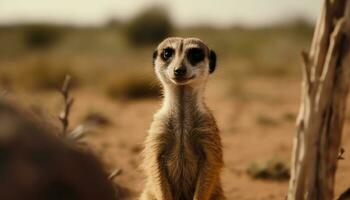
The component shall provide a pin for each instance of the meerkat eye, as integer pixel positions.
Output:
(167, 53)
(195, 55)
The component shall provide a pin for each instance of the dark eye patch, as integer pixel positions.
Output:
(195, 55)
(167, 53)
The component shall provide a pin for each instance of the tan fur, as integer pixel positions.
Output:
(183, 151)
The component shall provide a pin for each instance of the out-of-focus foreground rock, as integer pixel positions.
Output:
(36, 165)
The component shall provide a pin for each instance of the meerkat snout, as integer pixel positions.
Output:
(180, 71)
(183, 61)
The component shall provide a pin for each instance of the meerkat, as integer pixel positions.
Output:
(183, 152)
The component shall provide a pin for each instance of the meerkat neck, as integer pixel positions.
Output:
(184, 98)
(183, 105)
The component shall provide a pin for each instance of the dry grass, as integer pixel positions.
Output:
(133, 86)
(272, 169)
(35, 73)
(265, 120)
(96, 118)
(46, 77)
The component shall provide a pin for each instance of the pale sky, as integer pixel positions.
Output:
(182, 12)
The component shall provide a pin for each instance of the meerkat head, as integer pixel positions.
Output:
(183, 61)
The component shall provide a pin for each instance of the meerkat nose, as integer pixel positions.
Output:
(181, 71)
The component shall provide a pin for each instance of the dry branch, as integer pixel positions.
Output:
(321, 115)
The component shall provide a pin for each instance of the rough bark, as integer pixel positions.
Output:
(323, 104)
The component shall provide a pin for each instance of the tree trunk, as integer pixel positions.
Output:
(321, 115)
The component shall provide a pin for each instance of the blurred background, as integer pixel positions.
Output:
(106, 47)
(43, 40)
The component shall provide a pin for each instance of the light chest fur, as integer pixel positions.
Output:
(182, 126)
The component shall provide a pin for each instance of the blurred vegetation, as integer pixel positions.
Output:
(273, 169)
(149, 27)
(41, 36)
(45, 78)
(97, 118)
(105, 56)
(133, 86)
(265, 120)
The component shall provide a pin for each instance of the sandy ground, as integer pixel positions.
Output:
(256, 128)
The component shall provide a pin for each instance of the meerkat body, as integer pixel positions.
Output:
(183, 152)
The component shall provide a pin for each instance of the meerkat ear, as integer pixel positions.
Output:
(154, 56)
(212, 61)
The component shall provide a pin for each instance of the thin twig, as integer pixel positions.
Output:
(68, 102)
(114, 174)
